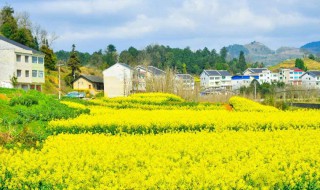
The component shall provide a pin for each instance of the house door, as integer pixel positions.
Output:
(89, 86)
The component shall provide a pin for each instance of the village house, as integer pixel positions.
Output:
(88, 82)
(262, 75)
(117, 80)
(291, 76)
(23, 62)
(143, 74)
(186, 80)
(239, 81)
(311, 79)
(214, 79)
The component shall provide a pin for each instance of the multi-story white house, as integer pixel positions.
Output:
(311, 79)
(142, 74)
(23, 62)
(239, 81)
(186, 80)
(117, 80)
(263, 75)
(215, 79)
(291, 76)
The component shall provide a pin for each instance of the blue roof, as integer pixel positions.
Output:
(243, 77)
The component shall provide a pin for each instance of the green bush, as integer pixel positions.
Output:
(25, 99)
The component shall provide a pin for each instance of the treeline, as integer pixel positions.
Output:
(182, 60)
(19, 27)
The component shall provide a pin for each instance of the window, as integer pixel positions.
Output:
(40, 60)
(34, 73)
(40, 74)
(291, 72)
(211, 78)
(34, 59)
(26, 59)
(18, 73)
(223, 77)
(18, 58)
(27, 73)
(300, 72)
(217, 78)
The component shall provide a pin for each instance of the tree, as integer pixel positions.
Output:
(9, 24)
(299, 63)
(111, 56)
(223, 54)
(242, 65)
(74, 62)
(311, 56)
(50, 58)
(24, 36)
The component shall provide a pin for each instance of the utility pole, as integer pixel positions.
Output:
(59, 65)
(255, 90)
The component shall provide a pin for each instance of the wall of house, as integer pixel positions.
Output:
(310, 81)
(117, 81)
(7, 67)
(82, 84)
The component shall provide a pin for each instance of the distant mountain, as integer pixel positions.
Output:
(258, 52)
(312, 47)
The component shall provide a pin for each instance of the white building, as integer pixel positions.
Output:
(215, 79)
(142, 74)
(263, 75)
(186, 80)
(118, 80)
(291, 76)
(239, 81)
(311, 79)
(23, 62)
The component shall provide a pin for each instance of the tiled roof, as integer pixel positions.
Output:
(315, 73)
(19, 45)
(125, 65)
(92, 78)
(184, 76)
(217, 73)
(155, 70)
(257, 70)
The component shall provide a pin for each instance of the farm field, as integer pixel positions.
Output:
(160, 141)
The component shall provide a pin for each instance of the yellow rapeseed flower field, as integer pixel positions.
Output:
(202, 160)
(159, 141)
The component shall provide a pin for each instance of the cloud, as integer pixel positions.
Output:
(85, 7)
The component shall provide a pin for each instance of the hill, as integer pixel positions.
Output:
(312, 47)
(258, 52)
(310, 64)
(51, 85)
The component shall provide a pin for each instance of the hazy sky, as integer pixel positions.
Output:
(93, 24)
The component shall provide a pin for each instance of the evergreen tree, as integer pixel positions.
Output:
(74, 62)
(242, 65)
(9, 25)
(50, 58)
(223, 54)
(299, 63)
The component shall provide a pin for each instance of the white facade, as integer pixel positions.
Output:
(241, 81)
(117, 80)
(311, 79)
(215, 79)
(264, 74)
(23, 62)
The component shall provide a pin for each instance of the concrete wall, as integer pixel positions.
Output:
(117, 81)
(9, 66)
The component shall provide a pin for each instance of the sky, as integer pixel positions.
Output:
(94, 24)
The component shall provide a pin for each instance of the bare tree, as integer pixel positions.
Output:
(23, 20)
